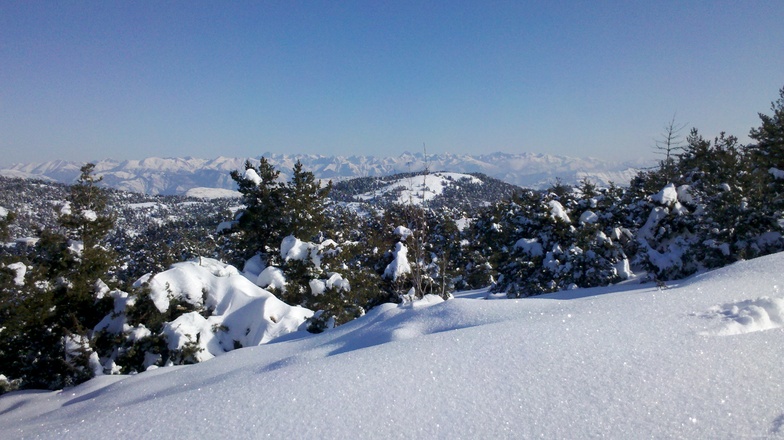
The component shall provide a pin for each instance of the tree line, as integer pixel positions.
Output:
(708, 203)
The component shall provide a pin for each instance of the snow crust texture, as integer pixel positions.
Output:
(699, 359)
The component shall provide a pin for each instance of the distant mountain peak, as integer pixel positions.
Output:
(176, 175)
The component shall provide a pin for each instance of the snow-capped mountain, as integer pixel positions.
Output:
(156, 175)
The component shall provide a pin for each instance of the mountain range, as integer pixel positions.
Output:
(169, 176)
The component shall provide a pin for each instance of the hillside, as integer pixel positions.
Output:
(438, 189)
(703, 362)
(151, 232)
(178, 175)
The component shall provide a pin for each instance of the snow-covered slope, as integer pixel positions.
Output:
(419, 189)
(701, 359)
(178, 175)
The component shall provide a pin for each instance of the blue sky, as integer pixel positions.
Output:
(127, 80)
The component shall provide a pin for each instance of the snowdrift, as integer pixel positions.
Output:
(238, 311)
(700, 359)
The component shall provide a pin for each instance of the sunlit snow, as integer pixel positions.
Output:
(698, 359)
(419, 189)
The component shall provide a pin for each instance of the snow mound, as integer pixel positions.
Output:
(753, 315)
(240, 311)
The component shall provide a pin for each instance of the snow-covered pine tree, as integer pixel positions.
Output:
(767, 170)
(47, 343)
(258, 227)
(304, 205)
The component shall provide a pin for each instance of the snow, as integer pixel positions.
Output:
(751, 315)
(684, 194)
(399, 265)
(776, 173)
(588, 218)
(317, 287)
(144, 205)
(225, 226)
(252, 175)
(667, 196)
(213, 193)
(419, 189)
(335, 280)
(20, 270)
(530, 246)
(192, 328)
(292, 248)
(623, 270)
(241, 312)
(557, 211)
(89, 215)
(403, 232)
(3, 213)
(272, 277)
(701, 359)
(76, 247)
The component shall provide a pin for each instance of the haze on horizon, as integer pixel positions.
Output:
(128, 80)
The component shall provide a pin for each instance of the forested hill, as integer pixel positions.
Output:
(438, 189)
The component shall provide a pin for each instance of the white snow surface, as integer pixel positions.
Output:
(419, 189)
(213, 193)
(696, 360)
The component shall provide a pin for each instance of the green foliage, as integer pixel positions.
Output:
(45, 343)
(5, 222)
(260, 224)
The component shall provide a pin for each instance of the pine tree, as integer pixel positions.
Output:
(767, 165)
(47, 341)
(304, 204)
(259, 225)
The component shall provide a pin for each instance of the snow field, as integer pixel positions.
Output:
(624, 361)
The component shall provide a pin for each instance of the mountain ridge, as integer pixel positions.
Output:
(176, 175)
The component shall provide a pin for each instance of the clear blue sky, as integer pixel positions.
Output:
(86, 80)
